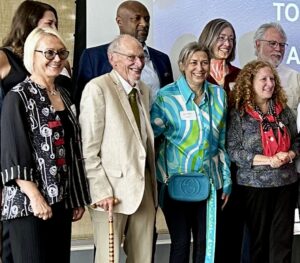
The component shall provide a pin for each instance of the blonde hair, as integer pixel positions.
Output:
(188, 51)
(31, 42)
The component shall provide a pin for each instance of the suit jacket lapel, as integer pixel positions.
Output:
(122, 96)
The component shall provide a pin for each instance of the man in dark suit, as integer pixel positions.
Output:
(133, 19)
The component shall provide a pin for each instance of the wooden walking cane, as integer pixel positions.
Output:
(111, 245)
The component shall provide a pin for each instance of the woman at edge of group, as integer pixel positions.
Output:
(29, 15)
(262, 141)
(181, 113)
(45, 188)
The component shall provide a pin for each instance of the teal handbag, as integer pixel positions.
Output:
(189, 187)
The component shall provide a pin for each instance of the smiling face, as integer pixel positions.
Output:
(48, 20)
(224, 44)
(134, 20)
(196, 69)
(128, 60)
(266, 52)
(264, 85)
(42, 67)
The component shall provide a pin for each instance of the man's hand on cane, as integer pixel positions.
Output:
(107, 204)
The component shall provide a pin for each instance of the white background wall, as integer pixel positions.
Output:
(176, 22)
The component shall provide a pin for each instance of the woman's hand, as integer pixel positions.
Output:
(281, 158)
(40, 207)
(78, 213)
(225, 199)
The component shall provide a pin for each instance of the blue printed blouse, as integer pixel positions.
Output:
(186, 128)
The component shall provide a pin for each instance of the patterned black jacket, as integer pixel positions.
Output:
(33, 148)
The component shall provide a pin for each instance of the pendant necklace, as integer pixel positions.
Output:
(52, 92)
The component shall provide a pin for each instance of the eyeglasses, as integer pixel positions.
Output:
(275, 44)
(132, 58)
(50, 54)
(223, 39)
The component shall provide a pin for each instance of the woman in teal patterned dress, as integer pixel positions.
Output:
(181, 113)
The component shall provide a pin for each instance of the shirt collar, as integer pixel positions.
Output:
(127, 87)
(146, 53)
(186, 91)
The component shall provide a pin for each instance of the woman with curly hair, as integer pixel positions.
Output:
(262, 142)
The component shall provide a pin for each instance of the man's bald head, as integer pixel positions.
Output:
(133, 19)
(126, 55)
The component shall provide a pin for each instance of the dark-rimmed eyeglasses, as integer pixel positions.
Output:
(275, 44)
(51, 54)
(131, 58)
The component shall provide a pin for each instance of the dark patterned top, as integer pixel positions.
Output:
(33, 148)
(244, 142)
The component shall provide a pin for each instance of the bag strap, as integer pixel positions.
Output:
(210, 140)
(209, 146)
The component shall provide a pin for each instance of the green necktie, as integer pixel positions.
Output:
(134, 106)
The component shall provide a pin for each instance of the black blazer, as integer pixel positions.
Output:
(94, 62)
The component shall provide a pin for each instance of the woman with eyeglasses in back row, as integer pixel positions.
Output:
(45, 187)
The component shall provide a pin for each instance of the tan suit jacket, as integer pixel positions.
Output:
(115, 157)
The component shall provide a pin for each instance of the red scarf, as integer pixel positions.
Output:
(271, 145)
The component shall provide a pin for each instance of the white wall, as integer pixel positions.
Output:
(101, 23)
(176, 22)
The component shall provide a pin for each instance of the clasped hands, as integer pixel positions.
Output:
(281, 158)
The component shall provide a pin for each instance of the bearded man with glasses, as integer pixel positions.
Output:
(270, 42)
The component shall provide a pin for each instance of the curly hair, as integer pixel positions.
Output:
(243, 93)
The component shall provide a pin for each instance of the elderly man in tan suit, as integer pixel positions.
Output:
(119, 154)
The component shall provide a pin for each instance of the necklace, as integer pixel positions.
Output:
(52, 92)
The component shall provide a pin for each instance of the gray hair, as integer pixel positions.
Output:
(260, 32)
(116, 44)
(31, 42)
(188, 51)
(210, 33)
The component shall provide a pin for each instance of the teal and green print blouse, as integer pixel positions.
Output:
(186, 128)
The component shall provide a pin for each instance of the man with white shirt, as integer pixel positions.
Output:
(118, 147)
(133, 19)
(270, 42)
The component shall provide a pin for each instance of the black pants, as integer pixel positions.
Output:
(184, 219)
(6, 248)
(270, 220)
(231, 223)
(34, 240)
